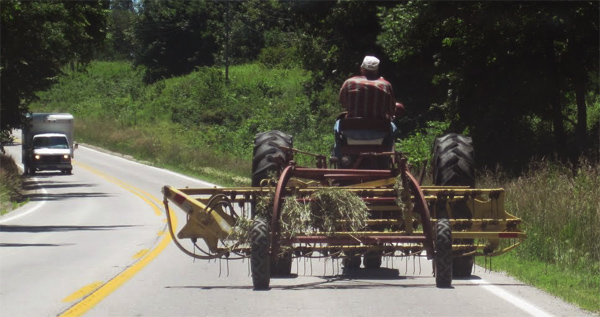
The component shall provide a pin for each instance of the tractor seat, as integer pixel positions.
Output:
(360, 131)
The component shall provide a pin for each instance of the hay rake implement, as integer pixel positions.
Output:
(346, 213)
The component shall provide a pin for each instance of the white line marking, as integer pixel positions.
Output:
(519, 302)
(34, 208)
(156, 168)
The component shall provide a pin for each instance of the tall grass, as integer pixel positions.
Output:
(10, 184)
(560, 208)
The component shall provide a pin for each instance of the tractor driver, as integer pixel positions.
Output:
(368, 96)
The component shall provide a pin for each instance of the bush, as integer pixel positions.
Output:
(418, 147)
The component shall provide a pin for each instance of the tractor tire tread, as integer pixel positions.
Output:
(259, 257)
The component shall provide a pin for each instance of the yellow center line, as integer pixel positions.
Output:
(140, 254)
(102, 291)
(136, 191)
(83, 291)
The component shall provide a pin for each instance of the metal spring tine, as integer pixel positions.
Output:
(486, 263)
(219, 267)
(304, 258)
(332, 267)
(194, 259)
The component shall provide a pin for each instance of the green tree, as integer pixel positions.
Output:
(121, 43)
(175, 37)
(246, 27)
(336, 35)
(500, 69)
(38, 38)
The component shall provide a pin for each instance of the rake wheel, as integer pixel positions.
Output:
(259, 258)
(443, 254)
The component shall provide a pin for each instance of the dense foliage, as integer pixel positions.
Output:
(512, 73)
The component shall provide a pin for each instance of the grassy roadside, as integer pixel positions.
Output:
(11, 196)
(576, 287)
(560, 207)
(165, 146)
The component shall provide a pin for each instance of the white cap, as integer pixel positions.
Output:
(370, 63)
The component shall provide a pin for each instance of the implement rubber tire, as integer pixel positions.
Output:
(267, 157)
(281, 265)
(259, 258)
(454, 165)
(351, 262)
(443, 254)
(372, 260)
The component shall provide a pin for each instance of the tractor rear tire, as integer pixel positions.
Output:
(268, 157)
(454, 165)
(443, 254)
(259, 257)
(454, 161)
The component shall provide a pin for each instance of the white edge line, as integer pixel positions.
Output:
(515, 300)
(34, 208)
(154, 167)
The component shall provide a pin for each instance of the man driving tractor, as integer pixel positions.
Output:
(368, 98)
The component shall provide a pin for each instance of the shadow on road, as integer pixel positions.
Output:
(17, 228)
(33, 190)
(19, 245)
(30, 184)
(358, 279)
(50, 197)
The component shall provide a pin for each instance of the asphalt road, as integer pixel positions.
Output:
(95, 243)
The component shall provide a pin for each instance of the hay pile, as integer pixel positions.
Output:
(330, 205)
(328, 210)
(240, 234)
